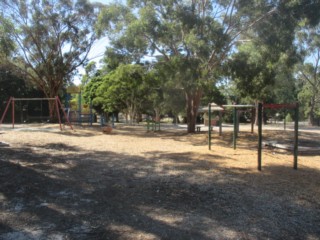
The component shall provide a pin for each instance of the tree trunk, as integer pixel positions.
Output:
(192, 102)
(311, 119)
(157, 112)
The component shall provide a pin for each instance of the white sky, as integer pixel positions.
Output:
(97, 50)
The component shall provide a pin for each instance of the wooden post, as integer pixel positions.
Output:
(259, 135)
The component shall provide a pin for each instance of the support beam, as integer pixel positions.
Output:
(259, 135)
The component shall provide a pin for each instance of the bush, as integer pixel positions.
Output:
(288, 118)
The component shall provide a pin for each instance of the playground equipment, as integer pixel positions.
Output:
(56, 102)
(294, 106)
(260, 106)
(153, 125)
(214, 107)
(83, 113)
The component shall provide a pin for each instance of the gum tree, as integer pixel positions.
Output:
(194, 37)
(53, 38)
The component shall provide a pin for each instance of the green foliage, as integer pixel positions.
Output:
(288, 118)
(308, 72)
(53, 38)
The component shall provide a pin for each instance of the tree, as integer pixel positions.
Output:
(195, 36)
(308, 70)
(53, 39)
(125, 88)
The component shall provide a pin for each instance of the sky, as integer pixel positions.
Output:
(96, 52)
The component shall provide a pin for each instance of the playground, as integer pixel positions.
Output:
(139, 184)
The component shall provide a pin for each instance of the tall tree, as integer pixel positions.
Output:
(53, 38)
(124, 89)
(308, 71)
(196, 36)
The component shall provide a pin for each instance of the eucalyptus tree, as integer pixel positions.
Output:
(308, 72)
(53, 38)
(195, 36)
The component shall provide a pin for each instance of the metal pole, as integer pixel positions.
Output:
(220, 123)
(12, 112)
(235, 128)
(209, 127)
(5, 111)
(91, 114)
(296, 134)
(65, 115)
(259, 135)
(284, 120)
(252, 119)
(79, 108)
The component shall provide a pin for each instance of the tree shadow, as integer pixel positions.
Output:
(108, 195)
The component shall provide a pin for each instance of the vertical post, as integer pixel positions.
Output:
(220, 123)
(235, 131)
(113, 120)
(209, 126)
(91, 114)
(284, 120)
(79, 107)
(259, 135)
(252, 119)
(12, 102)
(296, 134)
(6, 109)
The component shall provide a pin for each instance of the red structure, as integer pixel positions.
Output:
(57, 104)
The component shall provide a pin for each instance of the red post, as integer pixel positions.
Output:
(65, 116)
(5, 111)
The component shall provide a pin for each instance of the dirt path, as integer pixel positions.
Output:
(137, 185)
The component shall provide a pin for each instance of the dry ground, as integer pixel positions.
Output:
(167, 185)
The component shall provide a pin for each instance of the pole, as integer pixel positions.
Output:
(12, 102)
(220, 123)
(235, 128)
(79, 108)
(209, 127)
(296, 134)
(64, 113)
(91, 114)
(284, 120)
(5, 111)
(259, 135)
(252, 119)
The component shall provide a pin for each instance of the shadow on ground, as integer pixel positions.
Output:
(107, 195)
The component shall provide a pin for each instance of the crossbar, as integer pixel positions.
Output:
(32, 99)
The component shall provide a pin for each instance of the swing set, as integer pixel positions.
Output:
(57, 106)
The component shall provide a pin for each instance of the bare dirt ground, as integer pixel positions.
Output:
(134, 184)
